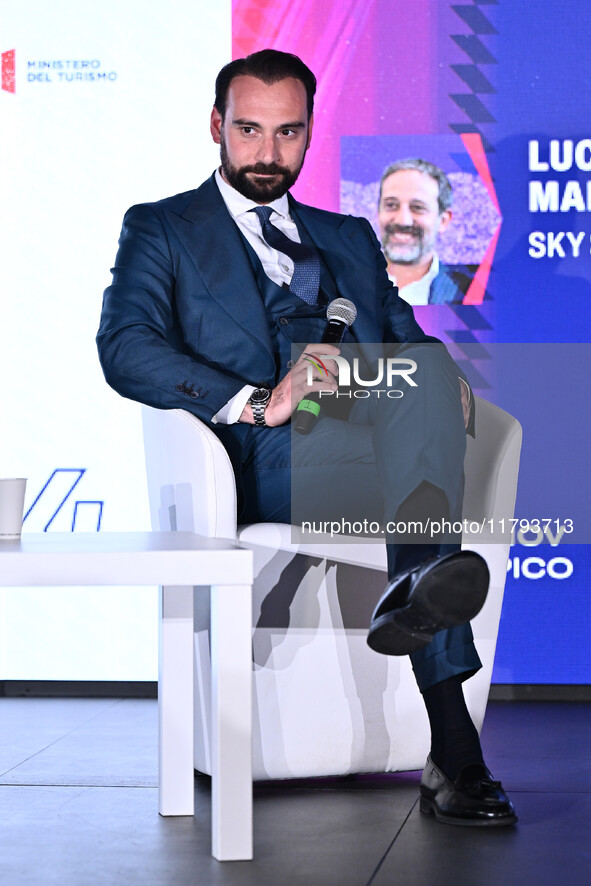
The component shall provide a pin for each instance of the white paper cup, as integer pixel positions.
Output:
(12, 503)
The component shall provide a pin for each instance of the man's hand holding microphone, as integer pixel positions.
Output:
(294, 387)
(294, 392)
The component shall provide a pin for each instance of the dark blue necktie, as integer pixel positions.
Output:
(306, 264)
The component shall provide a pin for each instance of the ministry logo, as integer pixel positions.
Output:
(53, 71)
(8, 71)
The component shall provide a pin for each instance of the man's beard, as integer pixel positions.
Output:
(260, 191)
(405, 253)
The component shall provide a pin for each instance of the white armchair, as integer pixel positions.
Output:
(324, 703)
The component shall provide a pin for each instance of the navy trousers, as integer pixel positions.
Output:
(363, 469)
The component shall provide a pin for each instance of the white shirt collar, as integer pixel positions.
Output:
(238, 204)
(427, 278)
(433, 270)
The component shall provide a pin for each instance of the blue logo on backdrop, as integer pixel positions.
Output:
(54, 501)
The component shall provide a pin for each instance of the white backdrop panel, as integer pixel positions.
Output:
(111, 107)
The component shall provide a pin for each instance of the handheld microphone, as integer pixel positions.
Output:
(341, 313)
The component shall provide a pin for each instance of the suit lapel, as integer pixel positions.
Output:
(335, 238)
(215, 246)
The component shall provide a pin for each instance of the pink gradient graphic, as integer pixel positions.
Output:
(473, 144)
(379, 65)
(334, 40)
(8, 71)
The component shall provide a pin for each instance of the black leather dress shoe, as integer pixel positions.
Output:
(473, 800)
(440, 593)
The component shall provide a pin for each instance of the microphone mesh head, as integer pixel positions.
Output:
(341, 309)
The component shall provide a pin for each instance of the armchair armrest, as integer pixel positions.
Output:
(191, 483)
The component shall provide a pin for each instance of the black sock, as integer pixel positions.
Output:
(454, 739)
(427, 505)
(424, 503)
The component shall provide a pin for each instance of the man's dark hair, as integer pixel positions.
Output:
(445, 192)
(270, 66)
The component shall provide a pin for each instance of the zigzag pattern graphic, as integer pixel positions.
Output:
(477, 359)
(473, 104)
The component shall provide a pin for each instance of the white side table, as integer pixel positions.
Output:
(177, 561)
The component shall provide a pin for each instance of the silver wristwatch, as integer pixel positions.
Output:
(259, 400)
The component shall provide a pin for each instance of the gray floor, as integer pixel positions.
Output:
(78, 807)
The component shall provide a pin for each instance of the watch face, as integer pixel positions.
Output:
(260, 396)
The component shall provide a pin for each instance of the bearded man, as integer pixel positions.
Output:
(414, 208)
(211, 288)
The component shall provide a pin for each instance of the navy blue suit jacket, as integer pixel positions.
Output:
(183, 323)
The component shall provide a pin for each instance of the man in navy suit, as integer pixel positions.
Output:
(414, 209)
(210, 290)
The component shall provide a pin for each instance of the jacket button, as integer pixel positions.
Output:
(283, 321)
(193, 395)
(180, 388)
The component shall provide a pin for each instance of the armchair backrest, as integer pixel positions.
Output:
(491, 464)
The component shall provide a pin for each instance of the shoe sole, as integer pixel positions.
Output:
(428, 807)
(451, 594)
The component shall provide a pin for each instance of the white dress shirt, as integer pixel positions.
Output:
(279, 267)
(417, 292)
(276, 265)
